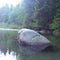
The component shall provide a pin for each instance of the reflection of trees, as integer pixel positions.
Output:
(9, 44)
(7, 41)
(4, 50)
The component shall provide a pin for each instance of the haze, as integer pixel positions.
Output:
(10, 2)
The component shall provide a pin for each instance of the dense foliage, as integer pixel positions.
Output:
(34, 14)
(56, 21)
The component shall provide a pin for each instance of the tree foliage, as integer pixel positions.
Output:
(34, 14)
(56, 21)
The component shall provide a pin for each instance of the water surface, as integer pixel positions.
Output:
(9, 49)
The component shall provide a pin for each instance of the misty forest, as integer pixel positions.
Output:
(42, 16)
(33, 14)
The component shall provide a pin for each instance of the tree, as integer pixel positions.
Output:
(34, 14)
(56, 21)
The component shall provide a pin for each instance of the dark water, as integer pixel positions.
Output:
(9, 49)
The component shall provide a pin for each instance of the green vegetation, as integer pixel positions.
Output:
(7, 39)
(6, 25)
(56, 22)
(34, 14)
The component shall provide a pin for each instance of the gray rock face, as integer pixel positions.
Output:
(33, 39)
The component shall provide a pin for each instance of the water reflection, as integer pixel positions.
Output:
(8, 46)
(9, 49)
(26, 50)
(7, 56)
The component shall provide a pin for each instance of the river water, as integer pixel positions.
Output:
(10, 50)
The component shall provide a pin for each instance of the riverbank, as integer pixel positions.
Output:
(13, 26)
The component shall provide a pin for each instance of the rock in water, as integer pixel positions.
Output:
(31, 38)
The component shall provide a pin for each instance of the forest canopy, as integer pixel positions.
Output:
(33, 14)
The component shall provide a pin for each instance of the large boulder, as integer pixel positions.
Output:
(31, 38)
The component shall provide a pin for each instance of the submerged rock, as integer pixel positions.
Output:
(34, 40)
